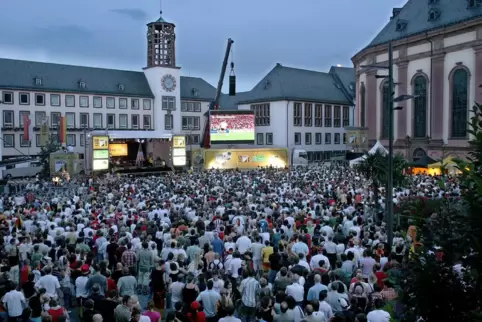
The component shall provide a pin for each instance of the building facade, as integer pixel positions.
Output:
(294, 108)
(303, 109)
(437, 51)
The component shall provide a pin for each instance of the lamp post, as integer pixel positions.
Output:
(408, 141)
(190, 128)
(391, 109)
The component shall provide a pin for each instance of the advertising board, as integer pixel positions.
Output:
(245, 158)
(118, 149)
(98, 165)
(100, 142)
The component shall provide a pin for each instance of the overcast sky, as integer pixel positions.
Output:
(311, 34)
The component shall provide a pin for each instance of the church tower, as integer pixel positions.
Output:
(161, 44)
(163, 75)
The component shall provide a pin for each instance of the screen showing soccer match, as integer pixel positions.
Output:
(232, 127)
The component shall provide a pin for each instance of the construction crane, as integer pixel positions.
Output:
(214, 105)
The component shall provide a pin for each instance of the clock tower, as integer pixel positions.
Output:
(163, 75)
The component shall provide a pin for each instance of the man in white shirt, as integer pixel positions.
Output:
(49, 282)
(243, 244)
(257, 248)
(378, 315)
(235, 265)
(296, 291)
(13, 301)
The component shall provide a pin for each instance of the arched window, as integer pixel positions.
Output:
(420, 107)
(385, 110)
(460, 99)
(362, 106)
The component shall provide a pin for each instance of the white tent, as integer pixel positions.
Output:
(377, 147)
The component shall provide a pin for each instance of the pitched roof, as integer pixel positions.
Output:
(287, 83)
(197, 89)
(346, 78)
(21, 74)
(415, 14)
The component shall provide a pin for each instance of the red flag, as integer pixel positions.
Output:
(26, 127)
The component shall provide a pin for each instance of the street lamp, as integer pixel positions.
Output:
(391, 108)
(190, 128)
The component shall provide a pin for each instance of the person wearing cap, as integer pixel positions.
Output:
(81, 292)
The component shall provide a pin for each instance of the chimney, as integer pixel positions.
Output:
(395, 12)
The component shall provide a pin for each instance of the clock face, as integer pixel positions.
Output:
(168, 83)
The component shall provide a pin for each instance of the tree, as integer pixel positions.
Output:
(375, 167)
(449, 287)
(44, 156)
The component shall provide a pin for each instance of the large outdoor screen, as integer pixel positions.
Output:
(228, 127)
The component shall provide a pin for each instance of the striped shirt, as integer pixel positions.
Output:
(249, 288)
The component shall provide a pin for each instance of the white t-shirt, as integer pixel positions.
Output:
(378, 316)
(243, 244)
(229, 319)
(14, 300)
(50, 283)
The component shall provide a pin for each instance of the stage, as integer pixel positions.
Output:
(148, 170)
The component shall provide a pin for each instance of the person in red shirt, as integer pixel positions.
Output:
(381, 276)
(56, 311)
(111, 284)
(195, 313)
(25, 272)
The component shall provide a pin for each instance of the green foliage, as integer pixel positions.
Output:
(432, 289)
(44, 156)
(375, 167)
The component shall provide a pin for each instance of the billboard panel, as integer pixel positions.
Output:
(228, 127)
(118, 149)
(245, 158)
(100, 142)
(100, 165)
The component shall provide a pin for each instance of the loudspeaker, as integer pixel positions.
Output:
(232, 85)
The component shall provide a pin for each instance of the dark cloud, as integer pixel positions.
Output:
(134, 14)
(311, 35)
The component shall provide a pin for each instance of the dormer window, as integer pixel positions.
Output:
(195, 92)
(401, 25)
(38, 81)
(121, 87)
(81, 84)
(474, 3)
(433, 14)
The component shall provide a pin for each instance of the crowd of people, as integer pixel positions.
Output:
(261, 245)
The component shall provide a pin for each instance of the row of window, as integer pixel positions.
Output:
(260, 139)
(190, 107)
(459, 105)
(192, 139)
(321, 116)
(319, 138)
(84, 101)
(112, 120)
(267, 138)
(333, 116)
(323, 155)
(191, 123)
(9, 140)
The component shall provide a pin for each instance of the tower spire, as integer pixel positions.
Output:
(160, 7)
